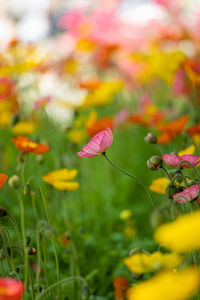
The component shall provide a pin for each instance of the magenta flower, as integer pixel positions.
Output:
(188, 194)
(98, 144)
(174, 160)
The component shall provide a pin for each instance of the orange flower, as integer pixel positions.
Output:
(3, 178)
(25, 145)
(90, 84)
(100, 125)
(172, 129)
(121, 285)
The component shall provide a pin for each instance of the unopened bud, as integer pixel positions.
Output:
(13, 274)
(15, 119)
(37, 288)
(31, 250)
(150, 138)
(40, 158)
(154, 162)
(157, 218)
(170, 191)
(14, 182)
(85, 293)
(50, 232)
(27, 189)
(3, 212)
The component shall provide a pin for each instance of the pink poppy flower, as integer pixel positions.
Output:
(174, 160)
(98, 144)
(188, 194)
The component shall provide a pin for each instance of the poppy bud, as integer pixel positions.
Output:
(3, 212)
(157, 218)
(170, 191)
(14, 182)
(13, 274)
(154, 162)
(150, 138)
(40, 158)
(85, 293)
(21, 157)
(15, 119)
(37, 288)
(27, 189)
(31, 250)
(50, 232)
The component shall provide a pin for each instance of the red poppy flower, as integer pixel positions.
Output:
(11, 289)
(194, 129)
(121, 285)
(172, 130)
(25, 145)
(100, 125)
(3, 178)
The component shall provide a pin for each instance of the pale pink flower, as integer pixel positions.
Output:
(42, 102)
(98, 144)
(188, 194)
(174, 160)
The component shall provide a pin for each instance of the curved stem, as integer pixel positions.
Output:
(59, 283)
(166, 173)
(187, 162)
(132, 177)
(48, 220)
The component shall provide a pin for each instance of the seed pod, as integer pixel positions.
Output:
(14, 182)
(27, 189)
(3, 212)
(150, 138)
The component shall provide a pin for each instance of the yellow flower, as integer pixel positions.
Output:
(140, 263)
(167, 286)
(188, 150)
(77, 135)
(61, 179)
(159, 185)
(85, 45)
(125, 214)
(182, 235)
(196, 139)
(23, 128)
(66, 185)
(103, 94)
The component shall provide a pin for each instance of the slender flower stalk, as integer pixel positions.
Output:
(132, 177)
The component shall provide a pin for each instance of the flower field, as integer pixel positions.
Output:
(100, 141)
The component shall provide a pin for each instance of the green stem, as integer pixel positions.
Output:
(132, 177)
(59, 283)
(166, 173)
(5, 247)
(21, 204)
(48, 220)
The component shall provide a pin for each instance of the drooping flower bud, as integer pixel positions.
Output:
(14, 182)
(157, 218)
(27, 189)
(31, 250)
(154, 162)
(150, 138)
